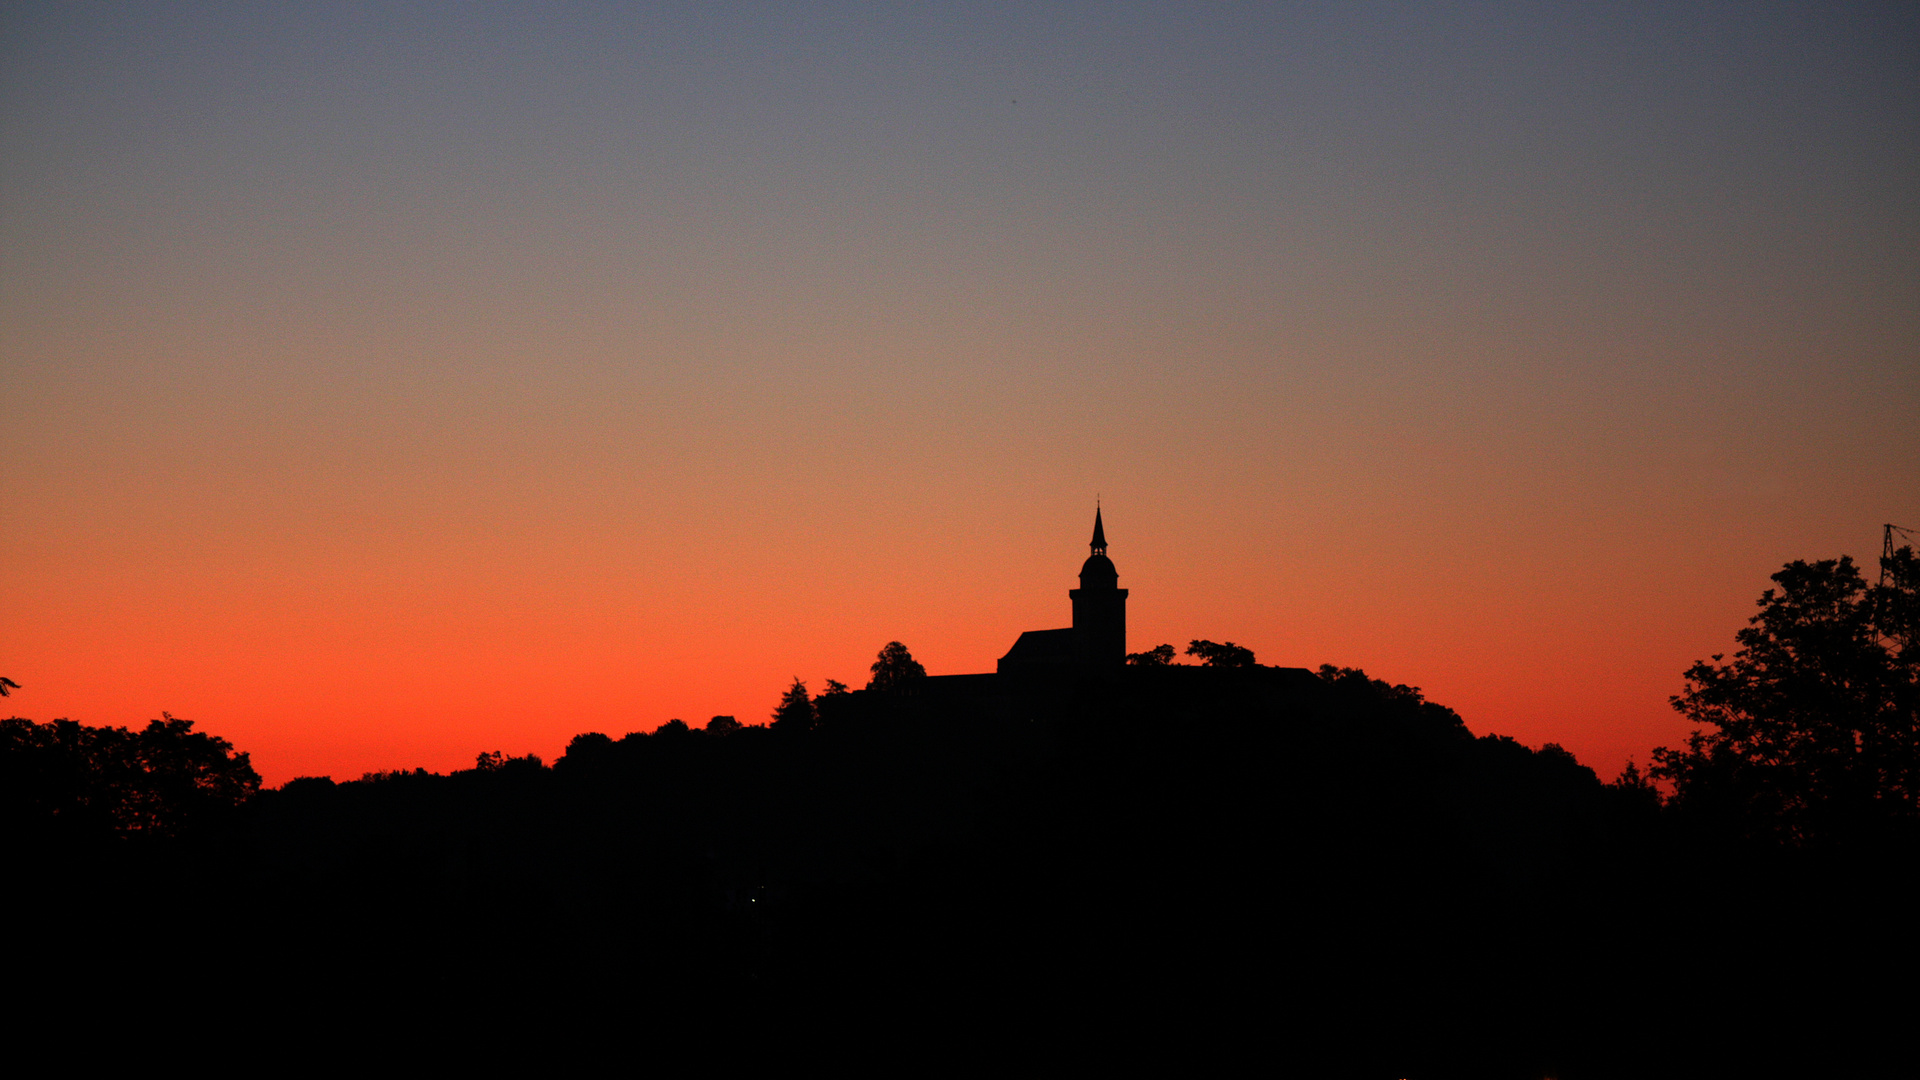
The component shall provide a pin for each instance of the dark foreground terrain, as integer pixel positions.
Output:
(1317, 870)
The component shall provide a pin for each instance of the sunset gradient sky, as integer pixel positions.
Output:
(387, 384)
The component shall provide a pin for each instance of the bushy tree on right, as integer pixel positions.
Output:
(1810, 734)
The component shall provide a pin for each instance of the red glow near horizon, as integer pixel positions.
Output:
(326, 681)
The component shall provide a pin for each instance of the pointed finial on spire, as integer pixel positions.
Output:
(1099, 531)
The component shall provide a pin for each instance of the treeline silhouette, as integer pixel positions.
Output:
(65, 784)
(1210, 856)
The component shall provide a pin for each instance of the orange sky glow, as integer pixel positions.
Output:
(378, 395)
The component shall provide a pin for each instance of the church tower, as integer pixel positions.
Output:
(1100, 605)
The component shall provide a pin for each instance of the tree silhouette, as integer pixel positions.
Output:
(1220, 653)
(894, 668)
(494, 761)
(160, 781)
(1158, 656)
(1812, 731)
(585, 747)
(832, 702)
(795, 711)
(5, 684)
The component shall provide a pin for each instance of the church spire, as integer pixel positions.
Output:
(1099, 533)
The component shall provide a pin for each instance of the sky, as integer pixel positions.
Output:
(386, 384)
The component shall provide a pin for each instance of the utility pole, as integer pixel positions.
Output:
(1887, 533)
(1886, 548)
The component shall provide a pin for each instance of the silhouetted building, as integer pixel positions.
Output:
(1050, 672)
(1098, 636)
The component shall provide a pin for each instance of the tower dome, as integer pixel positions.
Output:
(1098, 572)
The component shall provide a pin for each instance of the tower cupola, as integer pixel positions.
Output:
(1098, 571)
(1100, 604)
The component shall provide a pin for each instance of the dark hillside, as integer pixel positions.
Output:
(1324, 864)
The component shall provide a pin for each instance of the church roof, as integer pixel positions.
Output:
(1099, 534)
(1043, 648)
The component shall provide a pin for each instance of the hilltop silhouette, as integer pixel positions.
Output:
(1085, 848)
